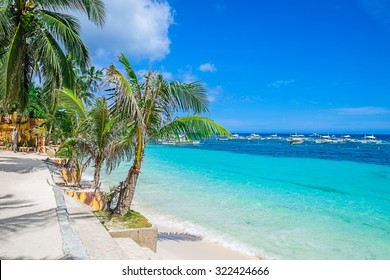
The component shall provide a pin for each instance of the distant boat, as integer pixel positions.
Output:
(371, 139)
(223, 138)
(346, 138)
(182, 140)
(325, 139)
(296, 139)
(254, 136)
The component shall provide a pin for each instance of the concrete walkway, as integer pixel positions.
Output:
(38, 222)
(29, 227)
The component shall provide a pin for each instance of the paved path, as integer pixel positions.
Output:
(29, 227)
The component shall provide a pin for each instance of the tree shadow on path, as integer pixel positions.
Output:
(20, 165)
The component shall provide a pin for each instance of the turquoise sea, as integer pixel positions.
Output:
(272, 199)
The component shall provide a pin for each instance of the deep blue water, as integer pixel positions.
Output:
(351, 151)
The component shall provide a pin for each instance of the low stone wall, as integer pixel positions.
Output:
(145, 237)
(93, 199)
(69, 176)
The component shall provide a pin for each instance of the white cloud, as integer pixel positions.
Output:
(207, 67)
(186, 76)
(137, 28)
(362, 111)
(212, 93)
(280, 83)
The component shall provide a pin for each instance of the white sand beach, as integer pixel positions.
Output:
(175, 243)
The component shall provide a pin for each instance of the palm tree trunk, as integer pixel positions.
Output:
(96, 175)
(128, 189)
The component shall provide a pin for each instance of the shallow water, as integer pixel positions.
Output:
(272, 199)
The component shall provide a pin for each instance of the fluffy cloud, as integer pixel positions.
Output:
(362, 111)
(207, 67)
(137, 28)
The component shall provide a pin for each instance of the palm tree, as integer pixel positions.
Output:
(150, 105)
(87, 83)
(96, 135)
(35, 37)
(105, 139)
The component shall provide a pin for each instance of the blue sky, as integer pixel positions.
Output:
(268, 65)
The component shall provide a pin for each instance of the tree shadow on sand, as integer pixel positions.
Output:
(178, 237)
(20, 165)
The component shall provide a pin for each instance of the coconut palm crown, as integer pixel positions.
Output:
(35, 37)
(152, 107)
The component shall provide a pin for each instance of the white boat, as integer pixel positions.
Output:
(254, 136)
(169, 142)
(324, 139)
(371, 139)
(235, 136)
(296, 139)
(182, 140)
(346, 138)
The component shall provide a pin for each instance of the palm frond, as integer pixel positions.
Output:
(193, 127)
(94, 9)
(126, 102)
(66, 29)
(5, 22)
(99, 121)
(12, 76)
(69, 101)
(129, 70)
(187, 97)
(122, 148)
(53, 62)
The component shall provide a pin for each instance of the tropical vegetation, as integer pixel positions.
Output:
(98, 136)
(35, 39)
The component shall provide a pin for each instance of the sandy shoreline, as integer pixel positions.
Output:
(176, 243)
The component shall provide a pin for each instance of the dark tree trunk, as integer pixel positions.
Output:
(126, 193)
(128, 188)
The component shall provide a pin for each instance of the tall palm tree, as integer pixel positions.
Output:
(35, 36)
(150, 105)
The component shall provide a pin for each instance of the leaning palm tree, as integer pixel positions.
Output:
(151, 105)
(35, 36)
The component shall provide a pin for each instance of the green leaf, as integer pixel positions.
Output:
(192, 127)
(69, 101)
